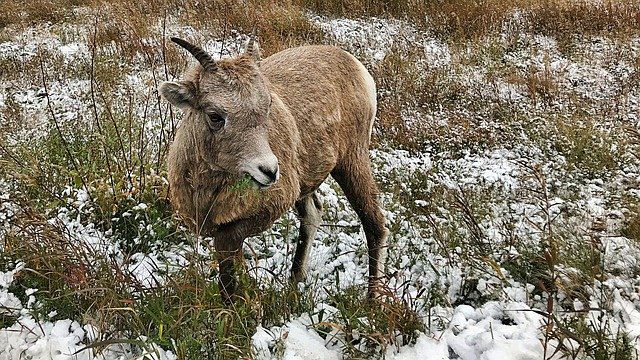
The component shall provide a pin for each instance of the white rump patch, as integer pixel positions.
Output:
(370, 85)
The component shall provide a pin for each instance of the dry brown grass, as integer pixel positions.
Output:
(463, 20)
(282, 22)
(415, 10)
(35, 12)
(472, 19)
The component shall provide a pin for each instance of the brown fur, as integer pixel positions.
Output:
(318, 123)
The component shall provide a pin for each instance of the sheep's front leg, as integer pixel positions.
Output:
(228, 251)
(228, 241)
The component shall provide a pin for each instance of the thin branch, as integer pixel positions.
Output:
(65, 144)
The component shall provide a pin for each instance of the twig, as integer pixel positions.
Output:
(95, 108)
(58, 129)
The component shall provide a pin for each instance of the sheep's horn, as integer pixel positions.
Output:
(252, 39)
(203, 58)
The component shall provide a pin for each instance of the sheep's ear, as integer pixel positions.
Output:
(181, 93)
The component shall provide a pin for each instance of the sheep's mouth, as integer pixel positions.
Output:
(255, 183)
(260, 176)
(260, 185)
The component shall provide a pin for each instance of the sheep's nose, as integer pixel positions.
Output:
(264, 170)
(273, 173)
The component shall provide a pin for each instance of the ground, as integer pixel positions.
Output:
(507, 161)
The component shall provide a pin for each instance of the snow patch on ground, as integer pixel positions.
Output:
(55, 340)
(10, 305)
(374, 37)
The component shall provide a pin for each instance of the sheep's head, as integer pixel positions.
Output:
(226, 113)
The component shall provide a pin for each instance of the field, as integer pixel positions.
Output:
(506, 148)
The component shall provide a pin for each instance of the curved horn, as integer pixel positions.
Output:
(203, 58)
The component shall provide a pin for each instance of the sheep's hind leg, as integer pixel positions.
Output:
(309, 211)
(355, 179)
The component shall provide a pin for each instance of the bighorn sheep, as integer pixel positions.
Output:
(259, 136)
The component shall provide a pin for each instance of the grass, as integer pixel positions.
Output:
(99, 167)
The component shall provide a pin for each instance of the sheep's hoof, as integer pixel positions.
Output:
(297, 277)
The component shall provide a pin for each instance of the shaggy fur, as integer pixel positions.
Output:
(312, 108)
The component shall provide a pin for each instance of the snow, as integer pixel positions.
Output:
(10, 305)
(478, 334)
(437, 350)
(302, 344)
(57, 341)
(374, 37)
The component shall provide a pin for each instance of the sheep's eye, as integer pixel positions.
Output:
(215, 121)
